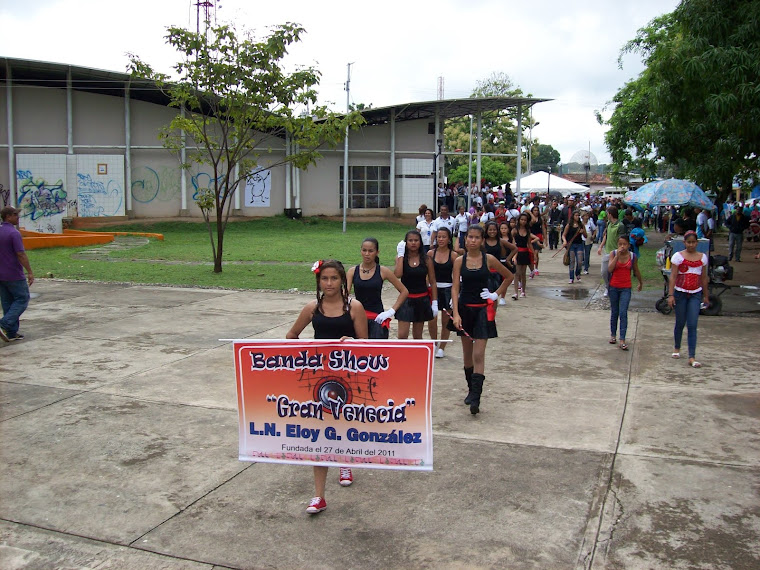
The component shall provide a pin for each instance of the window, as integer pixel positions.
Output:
(368, 187)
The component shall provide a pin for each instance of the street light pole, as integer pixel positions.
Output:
(469, 168)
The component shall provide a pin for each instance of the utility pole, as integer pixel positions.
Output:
(345, 150)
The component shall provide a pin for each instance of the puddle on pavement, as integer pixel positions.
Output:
(570, 293)
(749, 291)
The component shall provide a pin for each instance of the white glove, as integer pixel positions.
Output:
(435, 308)
(486, 294)
(384, 316)
(400, 249)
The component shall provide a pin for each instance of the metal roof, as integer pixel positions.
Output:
(47, 74)
(25, 72)
(447, 108)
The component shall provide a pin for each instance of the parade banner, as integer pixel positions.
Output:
(355, 403)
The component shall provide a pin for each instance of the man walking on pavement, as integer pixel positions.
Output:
(14, 287)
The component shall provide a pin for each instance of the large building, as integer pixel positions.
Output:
(83, 142)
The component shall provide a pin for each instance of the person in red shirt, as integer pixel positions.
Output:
(622, 263)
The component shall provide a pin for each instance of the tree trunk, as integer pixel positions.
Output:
(219, 244)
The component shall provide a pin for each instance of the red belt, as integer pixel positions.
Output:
(418, 295)
(523, 249)
(386, 324)
(490, 308)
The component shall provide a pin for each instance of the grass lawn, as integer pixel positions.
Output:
(268, 253)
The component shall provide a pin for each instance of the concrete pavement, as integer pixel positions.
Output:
(118, 449)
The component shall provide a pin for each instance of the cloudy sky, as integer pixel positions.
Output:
(565, 50)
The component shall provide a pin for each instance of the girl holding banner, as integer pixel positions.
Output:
(475, 309)
(416, 272)
(333, 316)
(367, 281)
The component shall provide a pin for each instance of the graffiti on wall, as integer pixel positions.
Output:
(96, 198)
(38, 198)
(5, 196)
(161, 184)
(203, 181)
(257, 189)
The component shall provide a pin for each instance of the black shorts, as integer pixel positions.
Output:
(478, 322)
(444, 298)
(417, 310)
(494, 280)
(376, 331)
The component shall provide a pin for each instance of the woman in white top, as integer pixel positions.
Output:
(425, 227)
(687, 290)
(462, 222)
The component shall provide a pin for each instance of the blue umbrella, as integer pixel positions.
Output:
(640, 198)
(671, 192)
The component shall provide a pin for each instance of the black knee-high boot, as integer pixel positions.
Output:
(477, 390)
(468, 377)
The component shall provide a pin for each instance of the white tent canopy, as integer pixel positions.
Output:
(543, 182)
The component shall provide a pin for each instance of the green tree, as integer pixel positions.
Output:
(696, 105)
(544, 157)
(498, 128)
(235, 102)
(493, 171)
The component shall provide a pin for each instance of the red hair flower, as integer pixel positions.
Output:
(317, 266)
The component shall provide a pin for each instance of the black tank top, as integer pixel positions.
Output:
(494, 250)
(443, 270)
(571, 233)
(332, 327)
(521, 241)
(415, 278)
(369, 291)
(473, 281)
(537, 228)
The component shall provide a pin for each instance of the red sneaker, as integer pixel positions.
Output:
(317, 505)
(346, 478)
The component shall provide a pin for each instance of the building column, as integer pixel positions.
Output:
(128, 151)
(12, 192)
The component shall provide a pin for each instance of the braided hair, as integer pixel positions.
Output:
(338, 266)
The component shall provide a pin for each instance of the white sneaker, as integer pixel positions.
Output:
(522, 293)
(502, 301)
(439, 353)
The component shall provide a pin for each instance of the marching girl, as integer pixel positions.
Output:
(416, 272)
(474, 310)
(498, 247)
(537, 228)
(333, 316)
(505, 231)
(524, 240)
(443, 258)
(367, 279)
